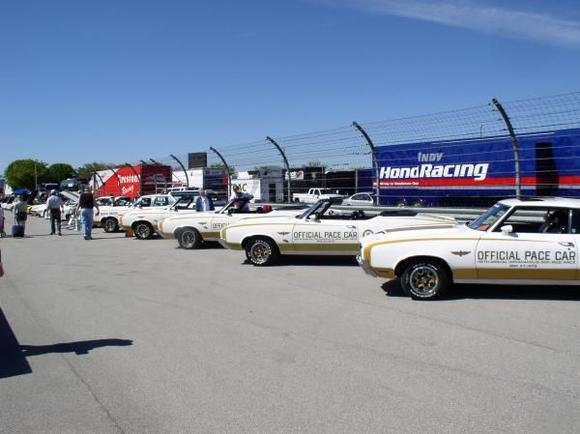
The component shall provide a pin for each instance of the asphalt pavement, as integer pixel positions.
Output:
(122, 335)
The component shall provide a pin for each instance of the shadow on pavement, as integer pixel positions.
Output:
(505, 292)
(313, 261)
(13, 355)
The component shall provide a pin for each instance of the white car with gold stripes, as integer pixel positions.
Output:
(193, 229)
(323, 229)
(527, 242)
(144, 223)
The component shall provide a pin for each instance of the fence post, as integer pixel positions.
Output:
(273, 142)
(94, 176)
(182, 167)
(515, 145)
(116, 177)
(375, 162)
(223, 160)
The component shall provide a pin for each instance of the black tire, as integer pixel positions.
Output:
(262, 251)
(110, 225)
(424, 279)
(189, 238)
(143, 230)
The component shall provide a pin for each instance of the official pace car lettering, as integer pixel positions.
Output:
(325, 236)
(526, 258)
(218, 226)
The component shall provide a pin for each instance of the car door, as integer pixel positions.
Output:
(325, 236)
(217, 222)
(527, 252)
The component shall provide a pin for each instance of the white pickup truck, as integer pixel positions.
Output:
(315, 194)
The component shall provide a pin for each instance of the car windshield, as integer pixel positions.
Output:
(184, 202)
(320, 207)
(489, 218)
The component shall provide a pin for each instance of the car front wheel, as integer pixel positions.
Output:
(262, 251)
(143, 231)
(110, 225)
(424, 280)
(189, 238)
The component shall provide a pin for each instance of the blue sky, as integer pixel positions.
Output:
(121, 80)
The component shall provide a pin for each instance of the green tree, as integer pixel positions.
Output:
(60, 171)
(26, 173)
(87, 170)
(233, 171)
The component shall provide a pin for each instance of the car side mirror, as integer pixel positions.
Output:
(507, 229)
(230, 211)
(317, 216)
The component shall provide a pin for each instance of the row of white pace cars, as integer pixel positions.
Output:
(519, 242)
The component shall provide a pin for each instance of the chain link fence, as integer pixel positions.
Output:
(467, 157)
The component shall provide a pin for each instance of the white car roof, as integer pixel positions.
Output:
(543, 202)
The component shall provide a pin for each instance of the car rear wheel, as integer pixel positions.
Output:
(262, 251)
(424, 280)
(189, 238)
(110, 225)
(143, 231)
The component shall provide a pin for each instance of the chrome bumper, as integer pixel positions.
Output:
(365, 266)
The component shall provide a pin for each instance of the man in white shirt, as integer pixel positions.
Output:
(54, 206)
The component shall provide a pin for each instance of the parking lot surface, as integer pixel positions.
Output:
(122, 335)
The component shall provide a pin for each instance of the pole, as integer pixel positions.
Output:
(182, 167)
(375, 160)
(273, 142)
(515, 145)
(226, 166)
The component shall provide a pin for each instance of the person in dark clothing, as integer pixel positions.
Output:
(86, 206)
(203, 202)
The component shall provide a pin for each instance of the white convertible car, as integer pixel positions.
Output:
(144, 222)
(320, 230)
(529, 242)
(193, 229)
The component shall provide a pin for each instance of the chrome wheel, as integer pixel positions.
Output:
(189, 239)
(143, 231)
(424, 280)
(110, 225)
(260, 252)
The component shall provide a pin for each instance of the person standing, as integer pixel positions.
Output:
(20, 214)
(54, 206)
(241, 199)
(203, 202)
(2, 231)
(86, 206)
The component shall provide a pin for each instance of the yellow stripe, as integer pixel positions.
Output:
(210, 234)
(368, 247)
(233, 246)
(318, 247)
(242, 224)
(387, 273)
(523, 273)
